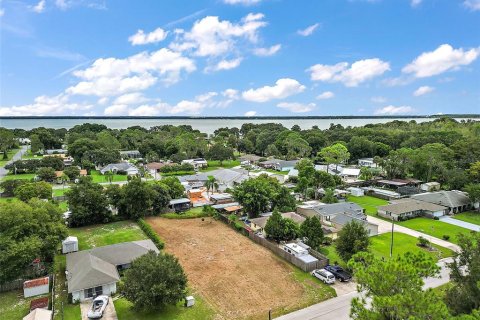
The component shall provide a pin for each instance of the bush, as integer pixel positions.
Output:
(423, 242)
(147, 229)
(327, 241)
(446, 237)
(436, 218)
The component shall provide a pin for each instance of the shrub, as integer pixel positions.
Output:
(423, 242)
(327, 241)
(147, 229)
(446, 237)
(436, 218)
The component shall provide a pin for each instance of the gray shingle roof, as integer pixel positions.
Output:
(411, 205)
(121, 166)
(444, 198)
(336, 208)
(97, 266)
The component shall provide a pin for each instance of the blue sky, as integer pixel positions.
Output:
(239, 57)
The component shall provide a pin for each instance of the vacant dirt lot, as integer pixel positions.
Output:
(239, 278)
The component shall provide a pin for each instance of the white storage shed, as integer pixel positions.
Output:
(356, 192)
(70, 244)
(36, 287)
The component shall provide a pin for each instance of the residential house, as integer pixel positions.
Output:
(403, 209)
(94, 272)
(130, 154)
(249, 159)
(228, 178)
(121, 167)
(39, 314)
(337, 215)
(350, 174)
(193, 180)
(258, 224)
(153, 168)
(382, 193)
(180, 205)
(367, 162)
(430, 186)
(231, 207)
(279, 165)
(197, 163)
(456, 201)
(220, 198)
(356, 192)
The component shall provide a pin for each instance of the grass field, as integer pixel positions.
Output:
(214, 164)
(189, 214)
(59, 192)
(70, 311)
(434, 228)
(28, 176)
(201, 310)
(10, 154)
(238, 278)
(3, 200)
(106, 234)
(13, 305)
(470, 216)
(370, 204)
(99, 178)
(402, 243)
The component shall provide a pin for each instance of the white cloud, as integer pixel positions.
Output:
(351, 76)
(144, 110)
(103, 101)
(423, 90)
(212, 37)
(242, 2)
(230, 93)
(283, 88)
(266, 52)
(309, 30)
(141, 37)
(62, 4)
(250, 113)
(116, 110)
(39, 7)
(297, 107)
(442, 59)
(111, 86)
(45, 105)
(415, 3)
(392, 110)
(130, 98)
(473, 5)
(326, 95)
(378, 99)
(225, 65)
(2, 12)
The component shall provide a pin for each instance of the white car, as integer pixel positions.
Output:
(324, 275)
(98, 307)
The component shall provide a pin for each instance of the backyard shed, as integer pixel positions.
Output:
(39, 314)
(70, 244)
(36, 287)
(356, 192)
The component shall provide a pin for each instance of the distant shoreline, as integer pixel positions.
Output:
(248, 118)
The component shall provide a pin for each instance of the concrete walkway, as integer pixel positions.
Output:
(384, 225)
(339, 308)
(460, 223)
(17, 156)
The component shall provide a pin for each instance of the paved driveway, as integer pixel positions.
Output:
(109, 314)
(460, 223)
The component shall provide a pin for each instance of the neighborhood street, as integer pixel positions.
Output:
(17, 156)
(339, 308)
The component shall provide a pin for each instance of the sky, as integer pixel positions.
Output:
(239, 57)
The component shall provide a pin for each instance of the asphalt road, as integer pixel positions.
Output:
(339, 308)
(17, 156)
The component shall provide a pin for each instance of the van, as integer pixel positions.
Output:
(324, 275)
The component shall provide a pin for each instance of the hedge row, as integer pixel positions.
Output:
(147, 229)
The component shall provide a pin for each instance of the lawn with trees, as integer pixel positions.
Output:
(435, 228)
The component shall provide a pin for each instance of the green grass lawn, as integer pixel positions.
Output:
(99, 178)
(106, 234)
(434, 228)
(470, 216)
(332, 255)
(70, 311)
(402, 243)
(10, 154)
(27, 176)
(6, 200)
(215, 164)
(369, 203)
(200, 310)
(63, 205)
(59, 192)
(13, 305)
(189, 214)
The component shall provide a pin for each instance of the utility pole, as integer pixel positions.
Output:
(391, 242)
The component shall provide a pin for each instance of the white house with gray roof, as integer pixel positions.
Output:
(456, 201)
(126, 167)
(95, 272)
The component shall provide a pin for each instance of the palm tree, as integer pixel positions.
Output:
(109, 176)
(211, 183)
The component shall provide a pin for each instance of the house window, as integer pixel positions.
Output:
(91, 292)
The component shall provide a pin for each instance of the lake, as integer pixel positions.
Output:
(204, 125)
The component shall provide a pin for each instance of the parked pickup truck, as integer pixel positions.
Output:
(339, 273)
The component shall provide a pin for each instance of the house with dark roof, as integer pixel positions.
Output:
(94, 272)
(456, 201)
(403, 209)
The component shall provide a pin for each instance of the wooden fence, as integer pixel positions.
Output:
(12, 285)
(305, 266)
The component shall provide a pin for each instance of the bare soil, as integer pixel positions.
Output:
(239, 278)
